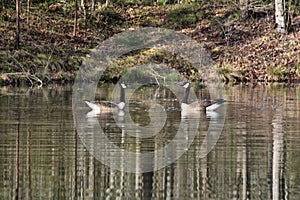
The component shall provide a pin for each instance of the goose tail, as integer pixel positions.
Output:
(93, 106)
(215, 105)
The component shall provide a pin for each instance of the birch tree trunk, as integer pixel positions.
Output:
(28, 11)
(107, 3)
(279, 16)
(17, 24)
(93, 6)
(75, 19)
(82, 5)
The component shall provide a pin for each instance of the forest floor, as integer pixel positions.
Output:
(245, 49)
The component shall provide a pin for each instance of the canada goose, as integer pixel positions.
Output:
(202, 105)
(99, 107)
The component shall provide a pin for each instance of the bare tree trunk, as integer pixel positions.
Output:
(82, 4)
(93, 6)
(28, 11)
(107, 3)
(17, 24)
(279, 16)
(75, 19)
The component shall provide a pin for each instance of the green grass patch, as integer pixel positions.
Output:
(185, 14)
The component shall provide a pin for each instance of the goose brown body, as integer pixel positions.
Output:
(200, 105)
(102, 106)
(99, 107)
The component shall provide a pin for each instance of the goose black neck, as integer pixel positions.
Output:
(122, 95)
(186, 95)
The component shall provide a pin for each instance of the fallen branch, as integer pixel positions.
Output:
(31, 78)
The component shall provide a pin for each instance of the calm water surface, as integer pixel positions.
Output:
(257, 156)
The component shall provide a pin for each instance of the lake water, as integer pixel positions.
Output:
(256, 156)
